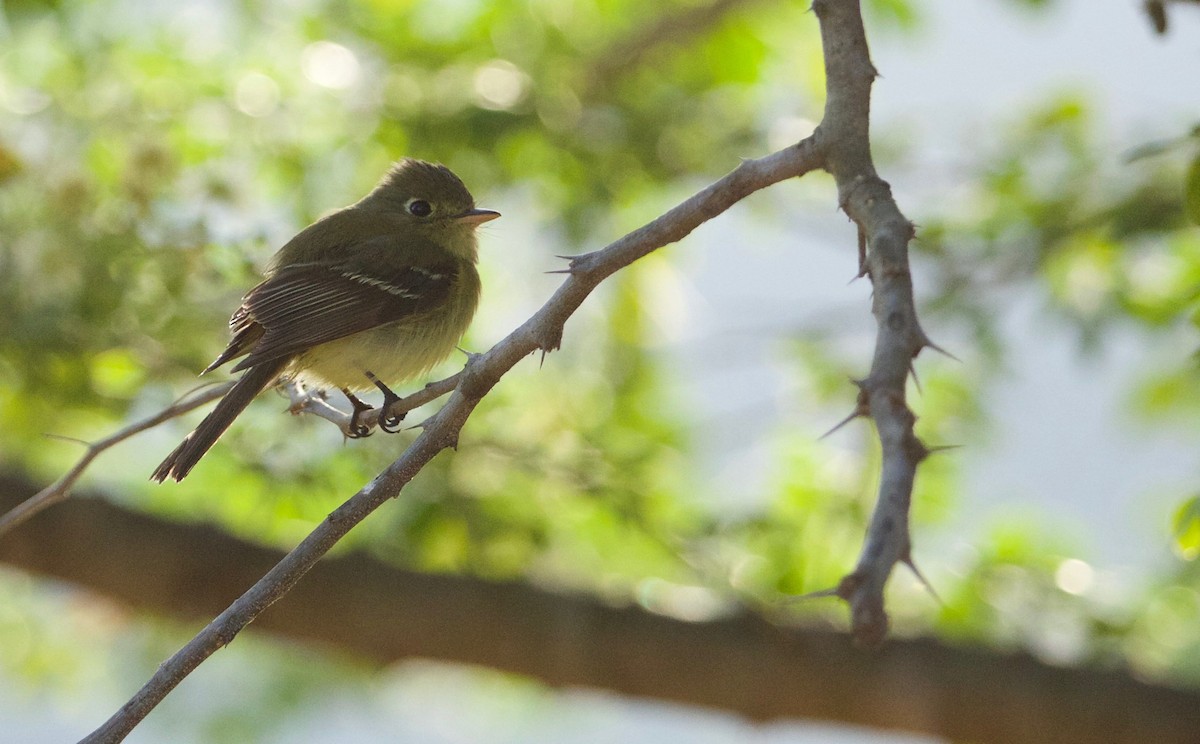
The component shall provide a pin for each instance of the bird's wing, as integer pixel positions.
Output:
(305, 305)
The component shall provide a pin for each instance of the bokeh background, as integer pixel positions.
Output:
(153, 155)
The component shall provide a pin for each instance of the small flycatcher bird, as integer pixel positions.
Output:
(374, 294)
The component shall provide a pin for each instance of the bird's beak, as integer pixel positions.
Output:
(477, 216)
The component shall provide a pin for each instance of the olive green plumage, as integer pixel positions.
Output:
(386, 286)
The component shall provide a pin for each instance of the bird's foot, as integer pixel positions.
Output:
(388, 421)
(357, 429)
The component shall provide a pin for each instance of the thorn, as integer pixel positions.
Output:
(916, 380)
(547, 340)
(942, 448)
(578, 264)
(853, 415)
(912, 566)
(849, 584)
(424, 424)
(65, 438)
(915, 448)
(938, 349)
(798, 598)
(472, 357)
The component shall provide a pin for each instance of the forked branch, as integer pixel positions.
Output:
(840, 145)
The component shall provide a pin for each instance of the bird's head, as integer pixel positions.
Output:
(430, 199)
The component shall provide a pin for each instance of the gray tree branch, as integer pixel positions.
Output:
(841, 145)
(844, 137)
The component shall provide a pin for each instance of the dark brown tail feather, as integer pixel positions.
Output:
(180, 462)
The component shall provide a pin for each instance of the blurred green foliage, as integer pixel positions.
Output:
(1187, 528)
(153, 155)
(1192, 191)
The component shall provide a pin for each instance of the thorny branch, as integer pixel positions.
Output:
(840, 145)
(845, 138)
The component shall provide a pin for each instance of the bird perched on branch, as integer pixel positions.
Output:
(372, 295)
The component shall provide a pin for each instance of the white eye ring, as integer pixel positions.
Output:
(418, 207)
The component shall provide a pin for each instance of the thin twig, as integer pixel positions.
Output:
(59, 490)
(304, 400)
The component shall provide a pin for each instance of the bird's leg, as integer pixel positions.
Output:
(388, 421)
(357, 430)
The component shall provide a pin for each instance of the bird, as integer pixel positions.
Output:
(372, 295)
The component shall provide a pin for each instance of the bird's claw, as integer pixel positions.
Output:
(388, 421)
(356, 429)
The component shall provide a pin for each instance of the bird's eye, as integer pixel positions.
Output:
(419, 208)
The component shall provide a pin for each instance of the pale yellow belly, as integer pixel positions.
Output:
(394, 353)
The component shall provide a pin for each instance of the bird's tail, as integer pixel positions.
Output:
(180, 462)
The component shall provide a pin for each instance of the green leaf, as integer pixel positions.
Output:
(1191, 192)
(1187, 529)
